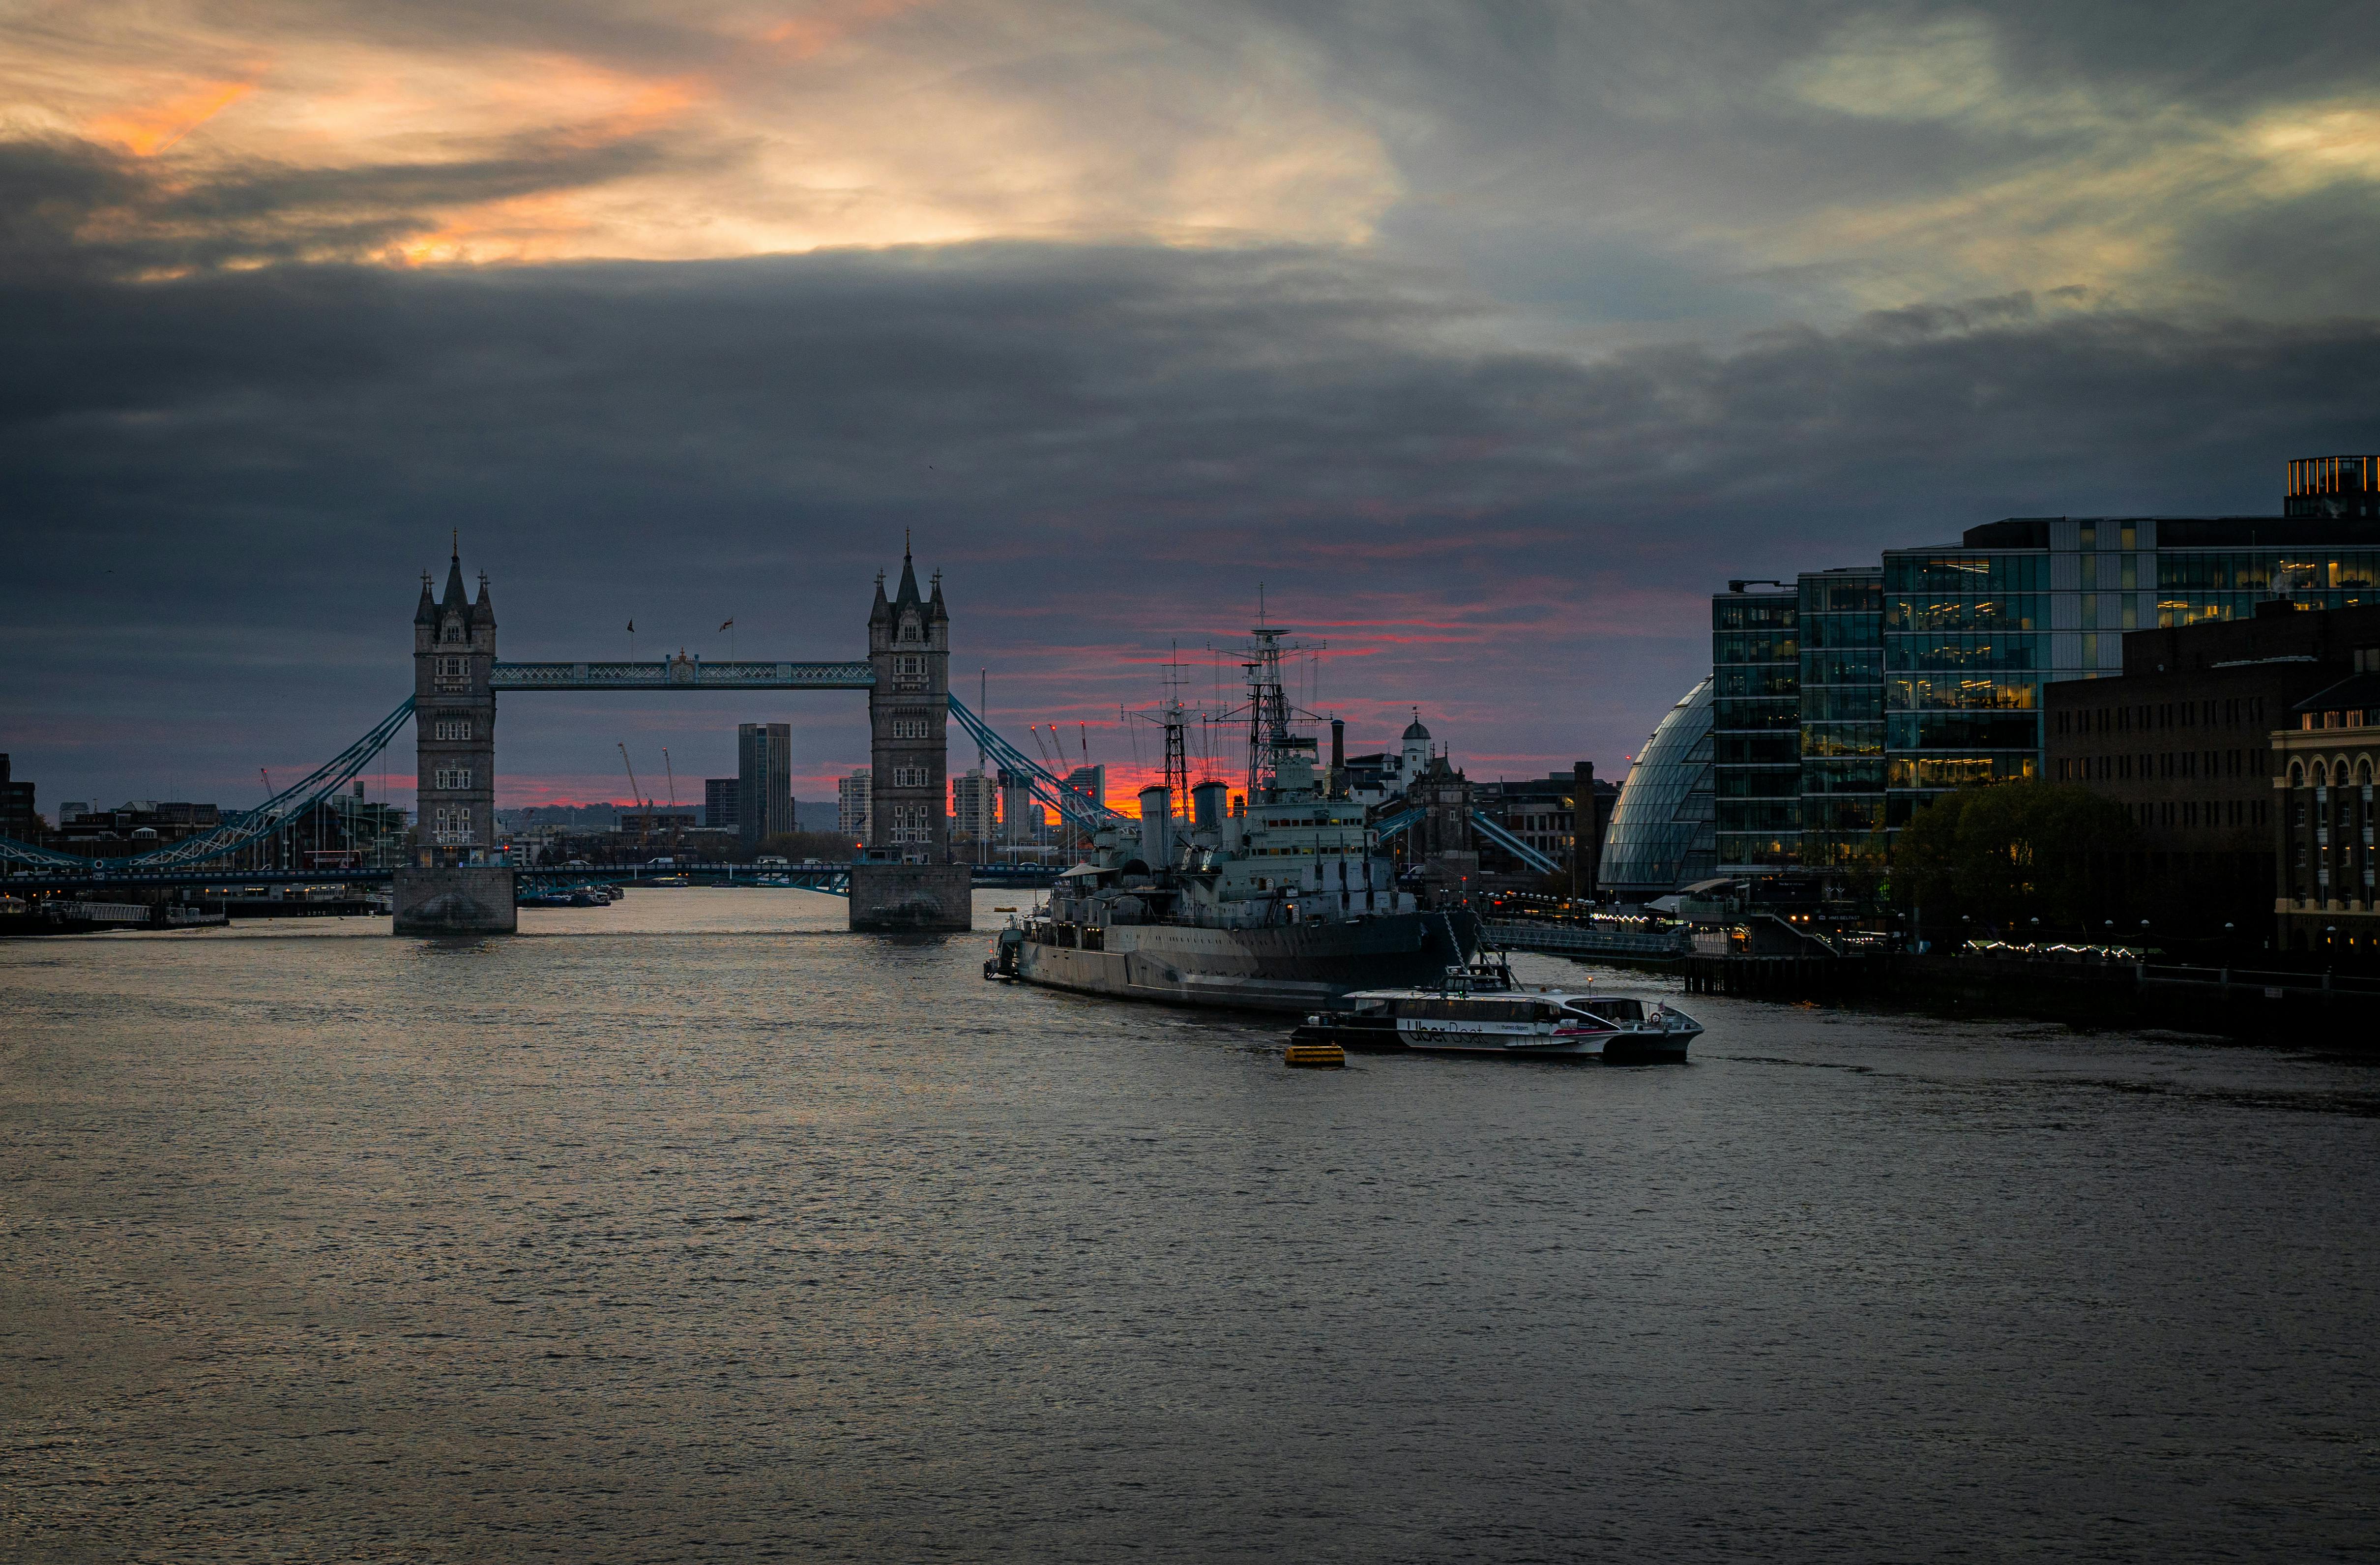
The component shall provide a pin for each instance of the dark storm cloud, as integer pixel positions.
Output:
(79, 208)
(221, 487)
(1525, 327)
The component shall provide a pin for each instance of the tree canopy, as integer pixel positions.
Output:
(2009, 850)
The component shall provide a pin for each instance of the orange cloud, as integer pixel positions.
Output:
(524, 228)
(777, 126)
(150, 130)
(805, 36)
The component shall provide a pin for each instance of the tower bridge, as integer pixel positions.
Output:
(459, 881)
(902, 879)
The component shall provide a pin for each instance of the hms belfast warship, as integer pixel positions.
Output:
(1285, 905)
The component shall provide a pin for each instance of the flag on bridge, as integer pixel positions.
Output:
(729, 625)
(632, 627)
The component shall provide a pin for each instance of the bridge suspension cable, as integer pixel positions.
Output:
(292, 803)
(282, 808)
(1046, 785)
(1512, 844)
(1390, 825)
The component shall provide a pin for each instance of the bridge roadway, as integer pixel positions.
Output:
(986, 875)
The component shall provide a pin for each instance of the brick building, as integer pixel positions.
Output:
(19, 819)
(1553, 814)
(719, 800)
(2183, 739)
(2324, 881)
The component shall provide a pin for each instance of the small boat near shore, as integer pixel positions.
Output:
(1478, 1009)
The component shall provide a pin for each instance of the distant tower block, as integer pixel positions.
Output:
(905, 879)
(764, 782)
(458, 883)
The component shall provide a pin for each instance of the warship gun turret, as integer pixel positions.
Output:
(1284, 903)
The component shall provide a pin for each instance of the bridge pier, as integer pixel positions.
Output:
(887, 898)
(475, 899)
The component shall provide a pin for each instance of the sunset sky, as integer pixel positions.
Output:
(1486, 339)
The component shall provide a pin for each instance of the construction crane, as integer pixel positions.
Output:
(645, 818)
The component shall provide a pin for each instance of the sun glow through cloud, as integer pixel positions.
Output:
(149, 130)
(334, 130)
(742, 135)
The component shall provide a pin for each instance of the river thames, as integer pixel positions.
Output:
(694, 1229)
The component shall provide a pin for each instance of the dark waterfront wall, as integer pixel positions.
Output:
(2259, 1003)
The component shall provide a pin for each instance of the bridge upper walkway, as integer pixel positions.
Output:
(683, 673)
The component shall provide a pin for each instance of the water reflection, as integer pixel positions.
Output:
(695, 1225)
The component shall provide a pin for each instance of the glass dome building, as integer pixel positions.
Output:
(1661, 837)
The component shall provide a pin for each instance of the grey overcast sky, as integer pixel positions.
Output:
(1487, 339)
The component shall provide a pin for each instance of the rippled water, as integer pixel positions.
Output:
(694, 1228)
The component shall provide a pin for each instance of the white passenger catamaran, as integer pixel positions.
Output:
(1478, 1009)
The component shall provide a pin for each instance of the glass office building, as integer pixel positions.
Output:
(1756, 724)
(1842, 722)
(1973, 633)
(1966, 648)
(1660, 835)
(1966, 637)
(2334, 486)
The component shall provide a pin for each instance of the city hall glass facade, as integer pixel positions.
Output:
(1876, 689)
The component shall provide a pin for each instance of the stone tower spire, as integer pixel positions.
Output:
(454, 722)
(905, 881)
(908, 711)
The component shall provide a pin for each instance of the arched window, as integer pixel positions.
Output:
(2363, 771)
(2321, 776)
(2297, 774)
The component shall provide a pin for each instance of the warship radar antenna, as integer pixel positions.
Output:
(1268, 709)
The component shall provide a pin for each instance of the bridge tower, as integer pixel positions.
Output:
(457, 882)
(904, 881)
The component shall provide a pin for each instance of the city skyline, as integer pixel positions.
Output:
(487, 484)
